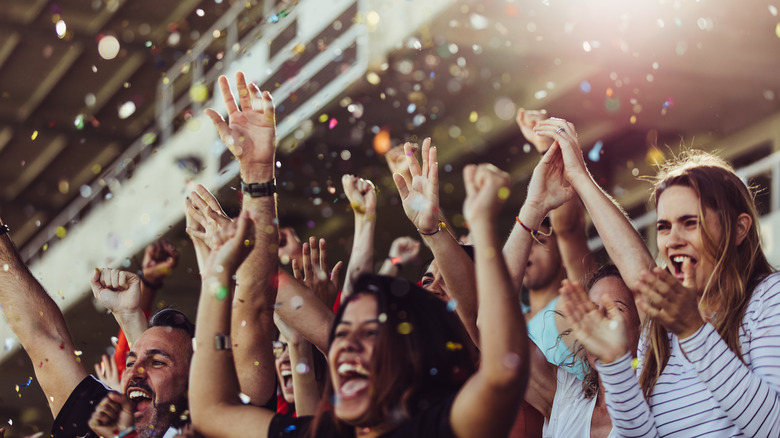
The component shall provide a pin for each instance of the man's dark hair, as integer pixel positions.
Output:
(174, 319)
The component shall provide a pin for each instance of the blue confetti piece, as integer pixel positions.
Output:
(595, 153)
(585, 86)
(452, 304)
(289, 428)
(25, 385)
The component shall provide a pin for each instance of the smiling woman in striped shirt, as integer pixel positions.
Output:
(709, 353)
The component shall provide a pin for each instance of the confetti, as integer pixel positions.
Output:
(222, 292)
(452, 304)
(108, 47)
(404, 328)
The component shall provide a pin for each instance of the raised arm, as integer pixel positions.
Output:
(215, 406)
(622, 242)
(251, 136)
(120, 293)
(403, 251)
(361, 194)
(420, 197)
(488, 402)
(567, 221)
(38, 323)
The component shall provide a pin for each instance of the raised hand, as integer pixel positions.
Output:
(112, 416)
(602, 333)
(118, 291)
(548, 188)
(314, 272)
(204, 217)
(527, 120)
(673, 304)
(232, 244)
(250, 132)
(108, 373)
(565, 135)
(420, 196)
(487, 189)
(404, 250)
(361, 194)
(159, 260)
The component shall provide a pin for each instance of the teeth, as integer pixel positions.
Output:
(138, 394)
(347, 367)
(679, 258)
(286, 373)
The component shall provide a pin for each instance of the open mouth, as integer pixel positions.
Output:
(354, 379)
(140, 398)
(287, 381)
(677, 265)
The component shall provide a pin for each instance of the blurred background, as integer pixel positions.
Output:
(102, 134)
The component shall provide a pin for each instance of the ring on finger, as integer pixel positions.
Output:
(559, 130)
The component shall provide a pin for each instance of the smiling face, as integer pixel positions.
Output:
(284, 369)
(349, 357)
(680, 233)
(156, 377)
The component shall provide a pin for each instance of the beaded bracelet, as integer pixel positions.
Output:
(533, 232)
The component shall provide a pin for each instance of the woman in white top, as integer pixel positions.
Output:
(709, 355)
(575, 408)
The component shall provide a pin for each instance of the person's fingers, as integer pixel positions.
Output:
(469, 172)
(401, 185)
(334, 274)
(244, 98)
(100, 370)
(195, 233)
(411, 160)
(227, 95)
(689, 275)
(433, 169)
(208, 198)
(296, 268)
(314, 250)
(323, 257)
(650, 295)
(218, 121)
(306, 261)
(426, 147)
(114, 279)
(95, 280)
(269, 108)
(660, 281)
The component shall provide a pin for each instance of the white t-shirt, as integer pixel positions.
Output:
(571, 412)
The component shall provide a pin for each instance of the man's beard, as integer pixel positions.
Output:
(163, 417)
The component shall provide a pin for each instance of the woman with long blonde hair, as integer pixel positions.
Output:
(708, 356)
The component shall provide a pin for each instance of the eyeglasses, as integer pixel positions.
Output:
(279, 348)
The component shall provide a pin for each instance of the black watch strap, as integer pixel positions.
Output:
(257, 190)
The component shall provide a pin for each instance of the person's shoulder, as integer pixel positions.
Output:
(75, 413)
(768, 288)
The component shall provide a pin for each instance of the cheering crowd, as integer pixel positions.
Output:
(685, 348)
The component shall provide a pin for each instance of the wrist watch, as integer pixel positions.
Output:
(257, 190)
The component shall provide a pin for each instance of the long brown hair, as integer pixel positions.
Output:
(422, 354)
(738, 268)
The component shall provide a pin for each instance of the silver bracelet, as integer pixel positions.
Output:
(222, 342)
